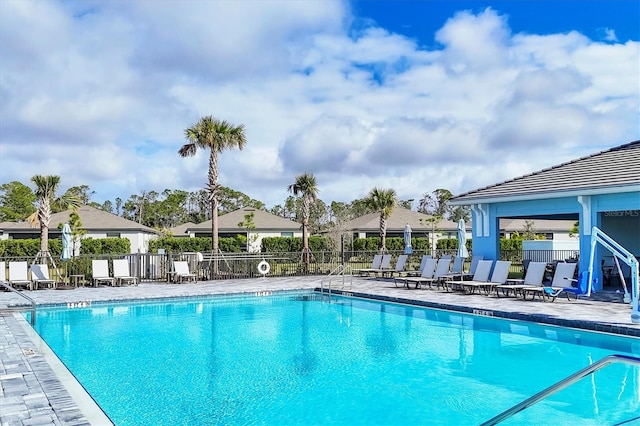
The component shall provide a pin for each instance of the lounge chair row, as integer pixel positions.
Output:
(488, 282)
(21, 275)
(381, 267)
(434, 271)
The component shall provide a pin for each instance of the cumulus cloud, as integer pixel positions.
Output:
(103, 91)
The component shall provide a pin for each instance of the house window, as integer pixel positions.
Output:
(548, 236)
(113, 235)
(286, 234)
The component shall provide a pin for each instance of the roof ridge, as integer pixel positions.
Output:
(616, 148)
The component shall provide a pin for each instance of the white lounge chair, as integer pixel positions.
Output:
(426, 275)
(498, 277)
(181, 272)
(121, 272)
(533, 278)
(385, 265)
(375, 265)
(418, 272)
(100, 272)
(19, 275)
(40, 276)
(3, 271)
(442, 269)
(562, 283)
(402, 260)
(456, 268)
(481, 275)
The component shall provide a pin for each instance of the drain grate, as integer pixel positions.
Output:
(28, 352)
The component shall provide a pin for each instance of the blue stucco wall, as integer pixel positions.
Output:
(618, 215)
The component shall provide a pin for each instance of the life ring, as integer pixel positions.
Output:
(264, 267)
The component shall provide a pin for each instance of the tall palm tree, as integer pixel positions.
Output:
(216, 136)
(46, 202)
(305, 186)
(382, 201)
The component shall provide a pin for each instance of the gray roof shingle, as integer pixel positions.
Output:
(614, 170)
(92, 219)
(397, 221)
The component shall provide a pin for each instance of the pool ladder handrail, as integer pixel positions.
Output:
(566, 382)
(21, 294)
(339, 271)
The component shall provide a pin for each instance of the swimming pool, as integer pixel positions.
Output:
(293, 358)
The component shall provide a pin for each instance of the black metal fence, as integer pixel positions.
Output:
(208, 266)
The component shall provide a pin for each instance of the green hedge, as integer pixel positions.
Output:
(294, 244)
(393, 244)
(105, 246)
(198, 244)
(507, 244)
(28, 247)
(451, 244)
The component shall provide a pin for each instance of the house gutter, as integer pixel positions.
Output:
(468, 200)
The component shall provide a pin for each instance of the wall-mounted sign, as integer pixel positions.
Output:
(628, 213)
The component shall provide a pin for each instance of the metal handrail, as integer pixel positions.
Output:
(21, 294)
(566, 382)
(340, 270)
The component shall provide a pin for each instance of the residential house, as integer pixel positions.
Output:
(97, 224)
(265, 223)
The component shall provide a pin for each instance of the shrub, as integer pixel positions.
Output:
(105, 246)
(198, 244)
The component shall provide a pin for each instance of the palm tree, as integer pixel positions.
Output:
(305, 186)
(382, 201)
(46, 201)
(217, 136)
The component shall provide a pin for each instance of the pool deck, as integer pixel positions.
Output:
(36, 389)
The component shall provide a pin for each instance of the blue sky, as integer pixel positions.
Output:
(411, 95)
(421, 19)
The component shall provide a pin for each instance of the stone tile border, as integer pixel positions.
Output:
(622, 330)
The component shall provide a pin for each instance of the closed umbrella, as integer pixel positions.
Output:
(66, 242)
(407, 240)
(462, 240)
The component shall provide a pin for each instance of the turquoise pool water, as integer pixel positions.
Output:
(292, 358)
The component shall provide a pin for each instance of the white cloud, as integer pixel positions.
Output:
(100, 93)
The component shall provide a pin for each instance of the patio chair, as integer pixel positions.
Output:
(19, 275)
(472, 268)
(181, 272)
(533, 278)
(498, 277)
(456, 268)
(399, 268)
(100, 272)
(418, 272)
(375, 264)
(562, 283)
(385, 265)
(442, 269)
(121, 272)
(481, 275)
(427, 274)
(40, 276)
(3, 271)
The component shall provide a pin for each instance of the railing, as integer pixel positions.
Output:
(21, 294)
(566, 382)
(340, 271)
(157, 266)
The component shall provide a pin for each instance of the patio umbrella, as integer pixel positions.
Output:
(407, 240)
(66, 242)
(462, 240)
